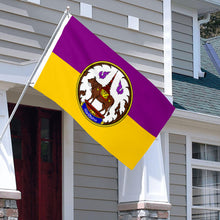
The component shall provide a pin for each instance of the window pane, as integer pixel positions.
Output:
(213, 153)
(199, 214)
(206, 152)
(199, 186)
(45, 128)
(199, 177)
(206, 190)
(198, 151)
(213, 179)
(46, 151)
(17, 149)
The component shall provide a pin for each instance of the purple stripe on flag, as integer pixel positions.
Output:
(79, 48)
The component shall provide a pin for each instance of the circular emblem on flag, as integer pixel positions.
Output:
(104, 93)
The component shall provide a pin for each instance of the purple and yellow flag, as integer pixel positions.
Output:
(111, 100)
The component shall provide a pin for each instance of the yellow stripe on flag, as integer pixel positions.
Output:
(126, 140)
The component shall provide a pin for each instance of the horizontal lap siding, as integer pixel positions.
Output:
(182, 33)
(26, 29)
(95, 175)
(177, 157)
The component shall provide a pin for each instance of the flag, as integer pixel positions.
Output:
(111, 100)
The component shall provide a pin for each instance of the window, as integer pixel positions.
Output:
(46, 140)
(205, 181)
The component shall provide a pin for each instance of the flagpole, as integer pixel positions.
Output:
(66, 13)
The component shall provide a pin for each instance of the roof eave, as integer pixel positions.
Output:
(196, 116)
(215, 2)
(202, 6)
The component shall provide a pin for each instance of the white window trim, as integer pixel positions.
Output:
(196, 36)
(200, 164)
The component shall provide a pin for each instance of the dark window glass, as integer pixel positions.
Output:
(202, 214)
(206, 188)
(45, 128)
(212, 153)
(46, 151)
(206, 152)
(46, 141)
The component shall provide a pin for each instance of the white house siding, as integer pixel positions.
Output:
(95, 174)
(25, 30)
(182, 33)
(177, 157)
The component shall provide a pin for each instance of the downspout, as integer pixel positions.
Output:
(205, 20)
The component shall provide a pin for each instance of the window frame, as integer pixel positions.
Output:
(198, 164)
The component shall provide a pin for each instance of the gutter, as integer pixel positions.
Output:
(195, 116)
(215, 2)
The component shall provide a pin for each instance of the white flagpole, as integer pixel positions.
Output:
(66, 13)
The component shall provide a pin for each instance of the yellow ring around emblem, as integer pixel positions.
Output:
(131, 92)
